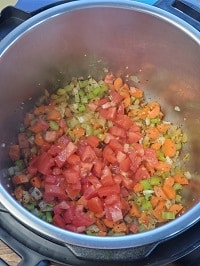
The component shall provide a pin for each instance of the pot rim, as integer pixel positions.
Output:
(159, 234)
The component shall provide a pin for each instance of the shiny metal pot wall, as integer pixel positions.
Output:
(81, 38)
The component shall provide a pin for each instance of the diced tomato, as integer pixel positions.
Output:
(113, 212)
(73, 190)
(135, 161)
(117, 131)
(50, 179)
(54, 191)
(97, 167)
(14, 152)
(93, 140)
(90, 192)
(71, 175)
(115, 145)
(87, 155)
(134, 228)
(95, 205)
(62, 156)
(125, 164)
(63, 205)
(58, 221)
(106, 177)
(109, 113)
(23, 140)
(109, 79)
(115, 96)
(123, 121)
(39, 126)
(109, 190)
(120, 156)
(150, 157)
(43, 163)
(73, 159)
(50, 136)
(139, 149)
(118, 179)
(133, 137)
(64, 140)
(109, 155)
(141, 173)
(94, 181)
(128, 183)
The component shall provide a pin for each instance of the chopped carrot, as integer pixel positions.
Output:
(118, 83)
(53, 115)
(144, 219)
(138, 188)
(20, 179)
(135, 92)
(18, 192)
(127, 101)
(153, 133)
(39, 139)
(79, 131)
(134, 211)
(154, 109)
(169, 191)
(143, 113)
(176, 208)
(169, 181)
(162, 128)
(156, 146)
(40, 110)
(160, 193)
(154, 201)
(125, 87)
(14, 152)
(169, 148)
(108, 223)
(181, 179)
(163, 167)
(100, 224)
(36, 181)
(120, 228)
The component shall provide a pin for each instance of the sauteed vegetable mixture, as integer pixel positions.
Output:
(97, 158)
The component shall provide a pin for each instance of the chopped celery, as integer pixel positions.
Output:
(29, 206)
(155, 180)
(48, 217)
(53, 125)
(168, 215)
(146, 206)
(146, 184)
(177, 186)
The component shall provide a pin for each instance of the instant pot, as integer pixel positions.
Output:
(42, 44)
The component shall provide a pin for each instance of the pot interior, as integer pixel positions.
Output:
(48, 51)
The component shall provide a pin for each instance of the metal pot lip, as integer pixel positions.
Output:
(64, 237)
(86, 4)
(59, 235)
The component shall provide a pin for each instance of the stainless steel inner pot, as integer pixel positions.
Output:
(81, 38)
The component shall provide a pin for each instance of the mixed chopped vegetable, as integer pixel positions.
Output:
(96, 158)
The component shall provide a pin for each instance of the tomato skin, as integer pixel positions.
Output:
(95, 205)
(141, 173)
(90, 192)
(109, 155)
(133, 137)
(150, 157)
(108, 190)
(43, 163)
(54, 191)
(117, 131)
(71, 175)
(93, 140)
(125, 164)
(106, 177)
(115, 145)
(87, 155)
(109, 113)
(97, 167)
(62, 156)
(123, 121)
